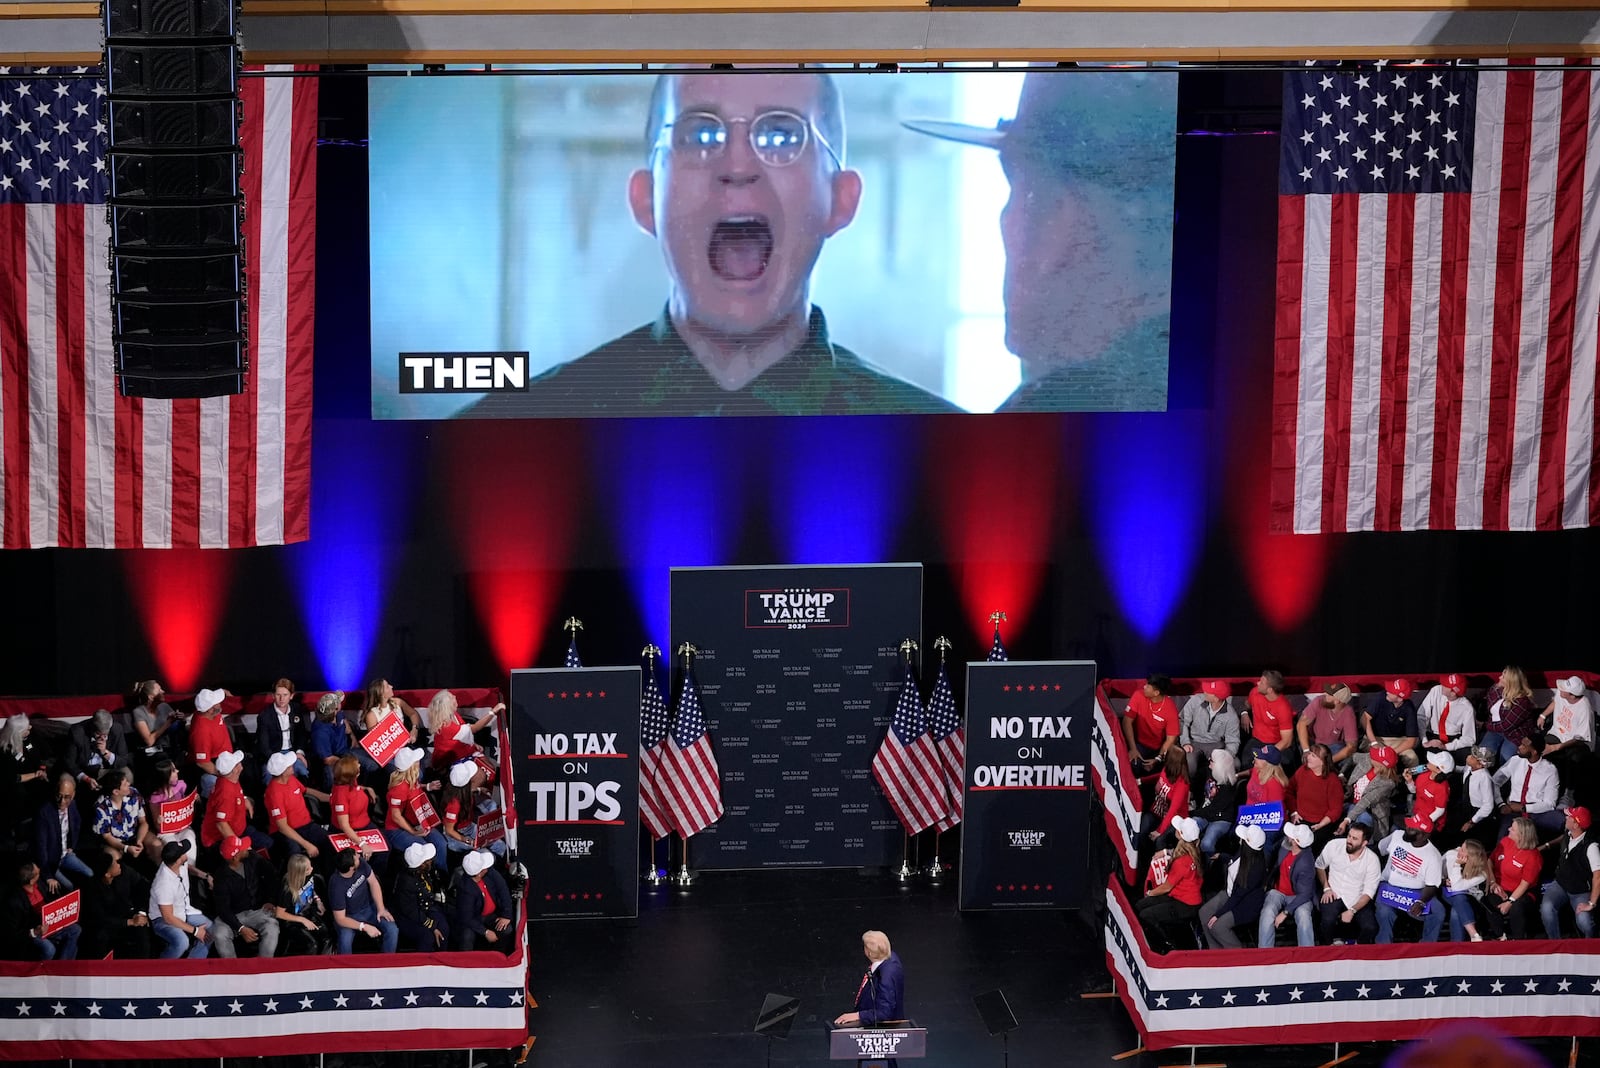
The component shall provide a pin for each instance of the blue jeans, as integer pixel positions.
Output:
(1550, 911)
(1461, 914)
(177, 941)
(1212, 834)
(1432, 922)
(387, 928)
(71, 864)
(63, 945)
(399, 841)
(1503, 747)
(1266, 930)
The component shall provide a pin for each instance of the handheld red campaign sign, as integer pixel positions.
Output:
(386, 739)
(175, 816)
(423, 815)
(371, 837)
(62, 912)
(491, 827)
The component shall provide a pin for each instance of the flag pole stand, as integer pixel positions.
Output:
(935, 869)
(683, 878)
(652, 875)
(905, 873)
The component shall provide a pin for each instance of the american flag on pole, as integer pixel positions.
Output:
(690, 782)
(907, 765)
(572, 653)
(997, 651)
(1438, 299)
(653, 734)
(950, 742)
(82, 467)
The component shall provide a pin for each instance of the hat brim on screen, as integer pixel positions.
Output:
(983, 136)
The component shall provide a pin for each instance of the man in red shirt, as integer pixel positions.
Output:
(286, 809)
(228, 811)
(1270, 718)
(1150, 722)
(208, 737)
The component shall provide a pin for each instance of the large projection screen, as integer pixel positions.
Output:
(568, 245)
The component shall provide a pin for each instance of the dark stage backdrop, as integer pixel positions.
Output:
(798, 669)
(427, 538)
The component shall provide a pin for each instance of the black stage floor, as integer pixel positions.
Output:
(681, 987)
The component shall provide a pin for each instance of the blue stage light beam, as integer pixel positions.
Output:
(839, 486)
(1147, 507)
(341, 575)
(674, 493)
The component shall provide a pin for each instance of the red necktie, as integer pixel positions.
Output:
(1444, 726)
(1527, 777)
(863, 985)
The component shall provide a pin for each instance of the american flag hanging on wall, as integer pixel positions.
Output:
(907, 765)
(1438, 300)
(81, 467)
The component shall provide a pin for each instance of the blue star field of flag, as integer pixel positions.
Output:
(997, 651)
(1382, 129)
(53, 137)
(907, 722)
(943, 719)
(653, 721)
(691, 721)
(248, 1005)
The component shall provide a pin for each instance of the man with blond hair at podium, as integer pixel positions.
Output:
(881, 995)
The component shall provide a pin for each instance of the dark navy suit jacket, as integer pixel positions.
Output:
(884, 996)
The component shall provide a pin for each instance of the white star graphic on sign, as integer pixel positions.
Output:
(166, 1010)
(1464, 986)
(235, 1006)
(1363, 990)
(1308, 100)
(447, 998)
(305, 1003)
(1430, 987)
(1341, 173)
(340, 1001)
(411, 997)
(1194, 999)
(1396, 990)
(377, 1000)
(59, 1009)
(1227, 998)
(1328, 991)
(1496, 986)
(1563, 985)
(1294, 995)
(200, 1008)
(1262, 996)
(516, 999)
(1449, 172)
(94, 1008)
(130, 1009)
(1531, 986)
(1161, 1001)
(271, 1005)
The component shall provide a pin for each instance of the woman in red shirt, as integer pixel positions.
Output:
(1177, 900)
(410, 817)
(350, 804)
(1170, 798)
(1509, 901)
(453, 736)
(1315, 796)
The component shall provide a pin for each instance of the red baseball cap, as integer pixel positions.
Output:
(1418, 823)
(1216, 687)
(1398, 687)
(1383, 754)
(1580, 816)
(232, 846)
(1458, 683)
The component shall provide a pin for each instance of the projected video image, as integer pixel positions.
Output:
(568, 246)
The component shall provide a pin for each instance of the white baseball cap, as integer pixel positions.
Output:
(462, 772)
(419, 853)
(278, 763)
(407, 759)
(1188, 830)
(206, 700)
(1573, 685)
(477, 862)
(226, 762)
(1443, 761)
(1251, 835)
(1298, 833)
